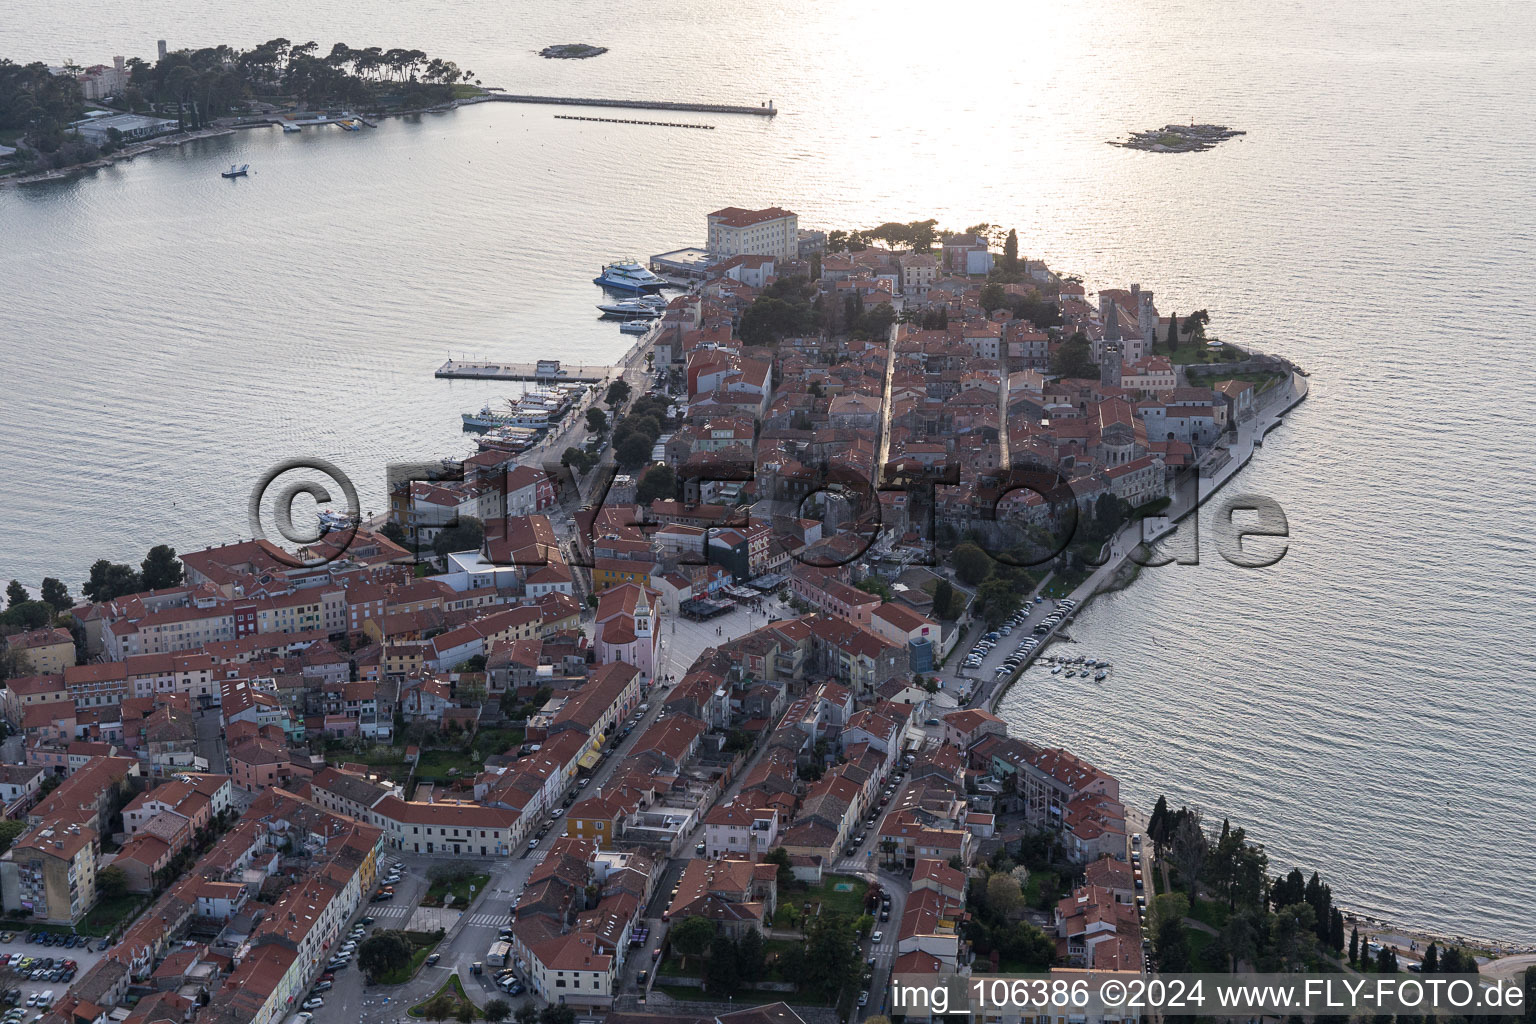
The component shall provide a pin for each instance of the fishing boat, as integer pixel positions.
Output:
(235, 172)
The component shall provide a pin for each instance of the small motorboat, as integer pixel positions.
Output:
(235, 172)
(634, 327)
(1100, 676)
(1056, 670)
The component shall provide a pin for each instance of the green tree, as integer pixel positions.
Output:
(1010, 252)
(1074, 359)
(56, 594)
(27, 615)
(384, 953)
(993, 296)
(111, 883)
(497, 1010)
(15, 594)
(618, 393)
(439, 1007)
(468, 534)
(597, 420)
(527, 1014)
(557, 1014)
(780, 856)
(692, 936)
(161, 569)
(633, 452)
(944, 599)
(830, 960)
(111, 579)
(721, 974)
(971, 564)
(1171, 944)
(1354, 948)
(749, 957)
(465, 1014)
(875, 585)
(1173, 332)
(1004, 897)
(659, 483)
(11, 829)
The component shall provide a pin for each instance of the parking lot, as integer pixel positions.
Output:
(1001, 652)
(33, 969)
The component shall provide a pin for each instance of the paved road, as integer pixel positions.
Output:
(470, 939)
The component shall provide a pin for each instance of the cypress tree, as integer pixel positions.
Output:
(1173, 332)
(1432, 959)
(1354, 945)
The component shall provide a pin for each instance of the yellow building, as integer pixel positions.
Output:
(610, 572)
(46, 651)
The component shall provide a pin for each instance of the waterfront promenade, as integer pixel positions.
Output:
(1148, 531)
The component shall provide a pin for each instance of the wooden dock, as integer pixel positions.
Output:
(764, 110)
(469, 369)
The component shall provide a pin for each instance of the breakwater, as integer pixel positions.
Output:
(763, 110)
(626, 120)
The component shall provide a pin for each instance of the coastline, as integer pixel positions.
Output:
(1112, 576)
(126, 153)
(224, 127)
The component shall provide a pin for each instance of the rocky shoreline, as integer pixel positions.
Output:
(1179, 138)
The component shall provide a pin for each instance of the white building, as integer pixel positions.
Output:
(736, 232)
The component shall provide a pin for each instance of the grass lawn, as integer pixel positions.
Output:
(1191, 351)
(498, 741)
(686, 994)
(1211, 912)
(108, 914)
(452, 987)
(459, 889)
(849, 899)
(1198, 940)
(443, 765)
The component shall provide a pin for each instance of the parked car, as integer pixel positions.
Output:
(433, 958)
(314, 1004)
(324, 986)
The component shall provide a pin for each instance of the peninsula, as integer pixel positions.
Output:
(697, 711)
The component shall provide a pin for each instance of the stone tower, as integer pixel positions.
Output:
(1109, 364)
(160, 48)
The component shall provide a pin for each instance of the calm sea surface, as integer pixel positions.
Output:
(1365, 707)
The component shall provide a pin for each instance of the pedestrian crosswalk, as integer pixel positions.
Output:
(488, 919)
(394, 910)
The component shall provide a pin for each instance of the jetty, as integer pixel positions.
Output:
(546, 371)
(763, 110)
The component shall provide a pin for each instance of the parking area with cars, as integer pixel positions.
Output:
(983, 658)
(37, 968)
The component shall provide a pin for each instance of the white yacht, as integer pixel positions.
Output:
(627, 276)
(631, 309)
